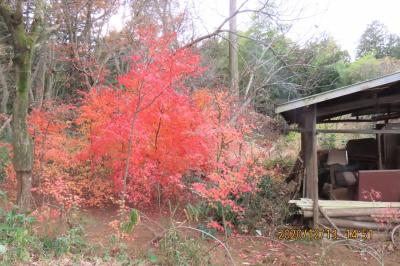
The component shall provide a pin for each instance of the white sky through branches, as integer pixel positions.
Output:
(344, 20)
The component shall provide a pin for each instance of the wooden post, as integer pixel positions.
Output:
(380, 163)
(303, 147)
(310, 158)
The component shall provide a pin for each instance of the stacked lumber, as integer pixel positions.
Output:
(305, 203)
(344, 215)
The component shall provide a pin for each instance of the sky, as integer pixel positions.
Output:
(344, 20)
(347, 20)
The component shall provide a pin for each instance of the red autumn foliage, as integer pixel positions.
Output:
(167, 141)
(81, 161)
(54, 152)
(174, 132)
(237, 164)
(62, 179)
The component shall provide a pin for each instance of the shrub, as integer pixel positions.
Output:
(71, 242)
(179, 249)
(153, 117)
(280, 165)
(18, 241)
(267, 208)
(22, 241)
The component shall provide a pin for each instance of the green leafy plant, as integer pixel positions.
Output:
(266, 208)
(198, 212)
(133, 219)
(328, 141)
(72, 242)
(16, 236)
(179, 249)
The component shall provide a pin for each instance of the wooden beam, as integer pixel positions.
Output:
(310, 157)
(355, 120)
(372, 111)
(355, 112)
(350, 131)
(350, 212)
(357, 224)
(386, 117)
(380, 162)
(306, 204)
(360, 131)
(349, 106)
(331, 121)
(303, 148)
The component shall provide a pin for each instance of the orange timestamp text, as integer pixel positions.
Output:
(322, 233)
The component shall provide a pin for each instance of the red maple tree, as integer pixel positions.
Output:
(152, 101)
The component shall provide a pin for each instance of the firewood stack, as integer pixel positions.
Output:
(382, 217)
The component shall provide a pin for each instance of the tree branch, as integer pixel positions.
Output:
(7, 122)
(5, 13)
(218, 29)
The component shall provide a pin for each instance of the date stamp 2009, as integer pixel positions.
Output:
(323, 233)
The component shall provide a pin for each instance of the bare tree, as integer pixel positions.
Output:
(233, 49)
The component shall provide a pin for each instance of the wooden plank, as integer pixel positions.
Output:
(351, 131)
(360, 131)
(356, 212)
(356, 224)
(307, 203)
(324, 96)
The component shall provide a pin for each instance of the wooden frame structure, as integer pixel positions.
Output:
(374, 101)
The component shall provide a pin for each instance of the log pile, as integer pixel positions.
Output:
(360, 215)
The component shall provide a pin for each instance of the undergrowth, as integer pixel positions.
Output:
(4, 159)
(262, 211)
(22, 240)
(181, 249)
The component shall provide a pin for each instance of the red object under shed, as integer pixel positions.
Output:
(387, 182)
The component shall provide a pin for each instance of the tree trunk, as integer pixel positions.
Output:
(50, 76)
(24, 186)
(48, 95)
(233, 50)
(41, 78)
(4, 99)
(6, 93)
(24, 41)
(22, 142)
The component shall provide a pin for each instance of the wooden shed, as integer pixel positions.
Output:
(376, 103)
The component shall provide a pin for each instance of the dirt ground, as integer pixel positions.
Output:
(245, 250)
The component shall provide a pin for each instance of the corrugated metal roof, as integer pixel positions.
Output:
(336, 93)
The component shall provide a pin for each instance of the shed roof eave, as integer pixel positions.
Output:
(328, 95)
